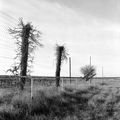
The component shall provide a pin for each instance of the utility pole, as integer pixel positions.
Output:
(90, 66)
(70, 68)
(102, 74)
(102, 71)
(90, 61)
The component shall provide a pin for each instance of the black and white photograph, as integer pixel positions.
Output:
(59, 59)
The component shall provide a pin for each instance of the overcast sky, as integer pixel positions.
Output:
(86, 27)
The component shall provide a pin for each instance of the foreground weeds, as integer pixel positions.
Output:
(91, 103)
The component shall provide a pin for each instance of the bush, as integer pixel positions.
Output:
(88, 72)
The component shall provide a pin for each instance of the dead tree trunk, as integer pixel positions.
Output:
(24, 53)
(58, 66)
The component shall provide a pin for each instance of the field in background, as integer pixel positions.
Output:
(80, 100)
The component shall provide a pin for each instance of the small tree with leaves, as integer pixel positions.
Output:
(27, 40)
(61, 55)
(88, 72)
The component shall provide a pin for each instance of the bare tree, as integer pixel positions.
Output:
(61, 55)
(27, 41)
(88, 72)
(13, 70)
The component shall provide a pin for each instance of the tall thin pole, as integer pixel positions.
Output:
(90, 60)
(102, 71)
(102, 75)
(90, 66)
(32, 88)
(70, 68)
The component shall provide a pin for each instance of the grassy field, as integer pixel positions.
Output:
(99, 100)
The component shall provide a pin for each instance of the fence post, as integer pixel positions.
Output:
(76, 83)
(31, 87)
(62, 83)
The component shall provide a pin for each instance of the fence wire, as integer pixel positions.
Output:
(34, 83)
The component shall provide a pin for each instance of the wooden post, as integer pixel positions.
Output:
(90, 61)
(32, 88)
(102, 75)
(76, 83)
(102, 71)
(70, 69)
(62, 83)
(90, 66)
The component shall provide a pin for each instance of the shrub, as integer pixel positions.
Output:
(88, 72)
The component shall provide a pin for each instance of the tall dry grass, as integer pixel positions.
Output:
(99, 102)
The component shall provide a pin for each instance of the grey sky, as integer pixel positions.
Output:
(86, 27)
(105, 9)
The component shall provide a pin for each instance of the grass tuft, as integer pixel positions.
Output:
(90, 103)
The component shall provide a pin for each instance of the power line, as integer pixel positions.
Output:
(3, 44)
(7, 48)
(5, 21)
(6, 42)
(6, 57)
